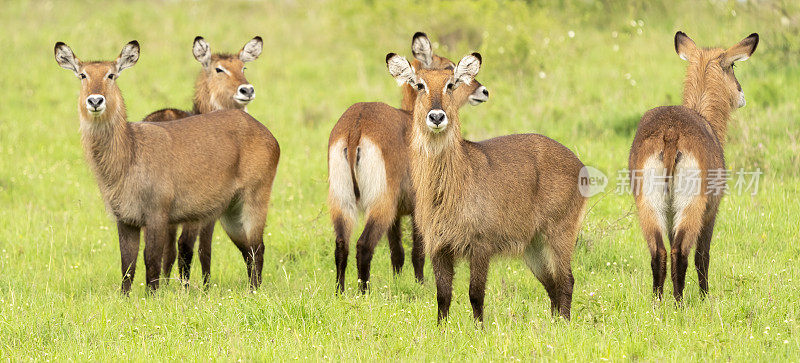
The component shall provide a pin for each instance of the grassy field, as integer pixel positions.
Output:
(582, 74)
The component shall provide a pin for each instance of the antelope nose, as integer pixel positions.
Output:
(247, 91)
(436, 117)
(95, 102)
(485, 92)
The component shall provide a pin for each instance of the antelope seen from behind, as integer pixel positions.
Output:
(675, 144)
(515, 194)
(368, 172)
(156, 174)
(220, 85)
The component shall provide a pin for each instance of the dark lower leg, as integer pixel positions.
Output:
(155, 239)
(204, 250)
(442, 263)
(679, 263)
(478, 272)
(186, 247)
(394, 236)
(365, 248)
(417, 253)
(169, 253)
(254, 260)
(555, 297)
(567, 283)
(129, 250)
(683, 262)
(258, 264)
(341, 251)
(702, 256)
(658, 264)
(248, 257)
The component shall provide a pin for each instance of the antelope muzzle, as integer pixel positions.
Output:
(245, 93)
(95, 104)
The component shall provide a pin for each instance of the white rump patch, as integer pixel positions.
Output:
(654, 185)
(687, 187)
(340, 182)
(370, 173)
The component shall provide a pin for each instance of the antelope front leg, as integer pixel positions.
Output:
(186, 248)
(417, 253)
(204, 250)
(156, 236)
(129, 250)
(478, 271)
(170, 253)
(442, 263)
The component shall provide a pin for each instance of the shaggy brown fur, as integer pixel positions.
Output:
(515, 194)
(674, 141)
(368, 171)
(155, 174)
(217, 88)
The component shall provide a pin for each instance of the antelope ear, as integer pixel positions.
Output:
(400, 69)
(684, 45)
(467, 68)
(66, 59)
(201, 51)
(128, 56)
(251, 50)
(742, 50)
(421, 49)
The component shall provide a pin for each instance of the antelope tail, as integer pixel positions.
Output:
(670, 151)
(353, 139)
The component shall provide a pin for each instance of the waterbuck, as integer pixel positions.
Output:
(220, 85)
(368, 172)
(675, 144)
(515, 194)
(156, 174)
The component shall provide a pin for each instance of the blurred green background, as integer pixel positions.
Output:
(581, 72)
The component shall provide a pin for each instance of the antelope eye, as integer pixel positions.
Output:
(111, 76)
(82, 75)
(450, 86)
(219, 70)
(420, 86)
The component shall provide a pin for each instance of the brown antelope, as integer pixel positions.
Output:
(515, 194)
(369, 172)
(674, 142)
(220, 85)
(156, 174)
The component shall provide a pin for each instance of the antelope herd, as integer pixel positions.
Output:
(509, 195)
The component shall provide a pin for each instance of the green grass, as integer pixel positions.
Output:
(59, 257)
